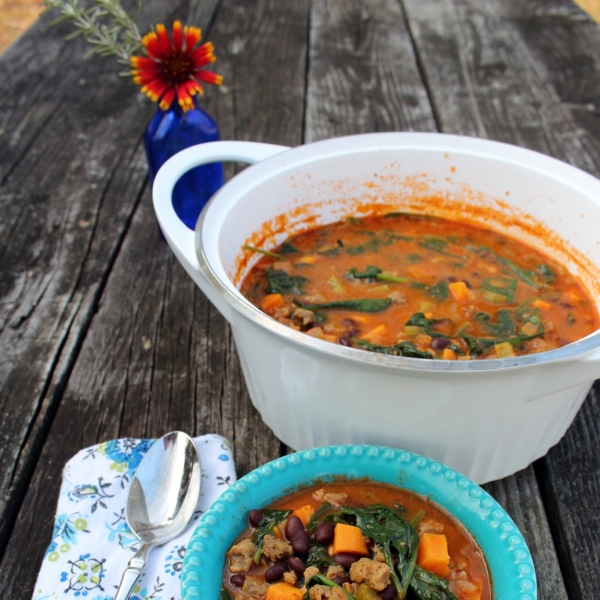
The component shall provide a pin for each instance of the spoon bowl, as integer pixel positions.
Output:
(165, 488)
(162, 499)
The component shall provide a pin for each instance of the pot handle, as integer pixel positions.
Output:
(178, 236)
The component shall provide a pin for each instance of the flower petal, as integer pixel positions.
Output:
(177, 36)
(164, 39)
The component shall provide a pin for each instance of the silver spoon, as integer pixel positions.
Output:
(161, 500)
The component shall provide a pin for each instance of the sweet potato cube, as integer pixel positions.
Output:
(283, 591)
(541, 304)
(272, 301)
(304, 513)
(459, 290)
(432, 554)
(376, 335)
(349, 539)
(449, 354)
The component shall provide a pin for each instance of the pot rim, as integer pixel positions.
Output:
(421, 141)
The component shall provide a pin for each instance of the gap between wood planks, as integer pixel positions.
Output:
(67, 350)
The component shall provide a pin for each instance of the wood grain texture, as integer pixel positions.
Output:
(480, 73)
(363, 74)
(157, 355)
(565, 43)
(520, 496)
(570, 480)
(71, 170)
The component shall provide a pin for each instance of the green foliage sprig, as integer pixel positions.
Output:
(106, 26)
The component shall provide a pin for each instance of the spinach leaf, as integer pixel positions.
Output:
(525, 317)
(501, 285)
(435, 243)
(373, 245)
(270, 518)
(546, 273)
(319, 557)
(505, 326)
(287, 248)
(427, 586)
(368, 305)
(420, 320)
(354, 221)
(318, 516)
(407, 349)
(372, 272)
(321, 318)
(225, 595)
(261, 251)
(279, 282)
(369, 273)
(388, 529)
(328, 251)
(525, 275)
(408, 215)
(322, 580)
(439, 291)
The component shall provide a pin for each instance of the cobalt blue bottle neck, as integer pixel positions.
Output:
(171, 131)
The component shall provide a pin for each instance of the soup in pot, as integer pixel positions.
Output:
(354, 541)
(421, 287)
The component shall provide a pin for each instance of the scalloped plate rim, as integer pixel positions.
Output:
(509, 560)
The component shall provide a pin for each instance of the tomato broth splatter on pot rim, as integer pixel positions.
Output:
(422, 287)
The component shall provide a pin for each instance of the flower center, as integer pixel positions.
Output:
(177, 67)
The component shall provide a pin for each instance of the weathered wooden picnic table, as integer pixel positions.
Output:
(103, 335)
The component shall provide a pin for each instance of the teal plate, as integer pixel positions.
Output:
(507, 555)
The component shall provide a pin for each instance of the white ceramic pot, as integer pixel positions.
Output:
(486, 418)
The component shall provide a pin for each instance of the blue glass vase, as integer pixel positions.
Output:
(173, 130)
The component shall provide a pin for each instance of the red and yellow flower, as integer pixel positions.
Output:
(174, 68)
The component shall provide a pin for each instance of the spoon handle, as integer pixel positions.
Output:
(133, 572)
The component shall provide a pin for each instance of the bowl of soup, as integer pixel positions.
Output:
(425, 291)
(357, 522)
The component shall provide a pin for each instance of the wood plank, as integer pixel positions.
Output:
(363, 74)
(520, 496)
(484, 81)
(69, 193)
(565, 43)
(157, 356)
(72, 177)
(570, 480)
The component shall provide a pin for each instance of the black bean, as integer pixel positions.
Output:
(293, 525)
(237, 579)
(388, 593)
(346, 339)
(255, 517)
(440, 343)
(296, 565)
(341, 580)
(300, 541)
(345, 560)
(275, 573)
(324, 533)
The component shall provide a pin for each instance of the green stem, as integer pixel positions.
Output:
(261, 251)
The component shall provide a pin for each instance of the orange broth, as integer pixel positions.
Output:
(421, 286)
(468, 568)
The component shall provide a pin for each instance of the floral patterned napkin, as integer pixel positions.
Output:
(92, 544)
